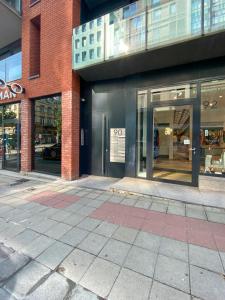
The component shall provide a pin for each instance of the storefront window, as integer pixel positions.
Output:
(212, 136)
(47, 135)
(141, 133)
(10, 137)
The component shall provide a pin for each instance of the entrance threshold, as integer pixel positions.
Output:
(162, 190)
(187, 194)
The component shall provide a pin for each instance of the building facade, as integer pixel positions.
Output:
(115, 88)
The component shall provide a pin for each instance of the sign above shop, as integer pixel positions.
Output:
(10, 90)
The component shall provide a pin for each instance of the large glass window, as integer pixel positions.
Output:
(141, 133)
(11, 67)
(47, 135)
(212, 136)
(10, 137)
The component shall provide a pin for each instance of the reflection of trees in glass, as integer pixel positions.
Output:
(7, 115)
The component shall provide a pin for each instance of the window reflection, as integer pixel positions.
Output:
(47, 135)
(212, 136)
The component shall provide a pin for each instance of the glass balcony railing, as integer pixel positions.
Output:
(145, 25)
(15, 4)
(11, 67)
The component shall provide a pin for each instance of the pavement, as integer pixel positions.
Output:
(66, 241)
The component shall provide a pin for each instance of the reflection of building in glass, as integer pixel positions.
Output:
(48, 120)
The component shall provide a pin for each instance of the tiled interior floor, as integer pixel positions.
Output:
(96, 243)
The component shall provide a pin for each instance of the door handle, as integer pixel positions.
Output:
(192, 149)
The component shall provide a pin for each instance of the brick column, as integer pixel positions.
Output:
(26, 135)
(70, 135)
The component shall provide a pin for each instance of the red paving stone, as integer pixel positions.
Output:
(195, 231)
(54, 199)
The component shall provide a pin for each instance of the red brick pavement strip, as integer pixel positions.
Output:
(54, 199)
(195, 231)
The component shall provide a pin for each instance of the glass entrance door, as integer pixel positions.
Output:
(173, 144)
(10, 137)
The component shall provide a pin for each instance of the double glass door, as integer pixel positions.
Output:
(167, 135)
(10, 137)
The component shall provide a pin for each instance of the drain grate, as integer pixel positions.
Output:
(19, 181)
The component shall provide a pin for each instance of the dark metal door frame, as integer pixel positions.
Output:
(195, 103)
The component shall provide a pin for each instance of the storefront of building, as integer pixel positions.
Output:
(141, 98)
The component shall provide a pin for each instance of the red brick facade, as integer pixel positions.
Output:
(57, 19)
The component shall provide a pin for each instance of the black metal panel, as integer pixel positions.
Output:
(191, 51)
(130, 120)
(91, 9)
(108, 111)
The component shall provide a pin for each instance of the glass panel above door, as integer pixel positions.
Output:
(172, 143)
(185, 91)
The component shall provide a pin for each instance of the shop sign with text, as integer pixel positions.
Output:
(10, 90)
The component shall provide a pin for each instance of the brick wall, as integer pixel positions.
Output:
(57, 19)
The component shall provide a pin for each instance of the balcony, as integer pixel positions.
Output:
(10, 21)
(11, 67)
(144, 35)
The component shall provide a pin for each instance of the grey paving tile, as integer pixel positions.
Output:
(58, 230)
(205, 258)
(43, 226)
(172, 272)
(173, 248)
(159, 206)
(148, 241)
(194, 211)
(37, 246)
(76, 264)
(74, 236)
(86, 211)
(206, 285)
(23, 239)
(130, 285)
(116, 199)
(93, 243)
(11, 231)
(79, 293)
(100, 277)
(5, 252)
(129, 201)
(89, 223)
(222, 255)
(92, 195)
(60, 215)
(11, 265)
(115, 251)
(54, 255)
(215, 210)
(55, 287)
(106, 229)
(95, 203)
(125, 234)
(4, 295)
(161, 291)
(216, 217)
(141, 261)
(74, 207)
(143, 203)
(176, 210)
(74, 219)
(22, 282)
(104, 197)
